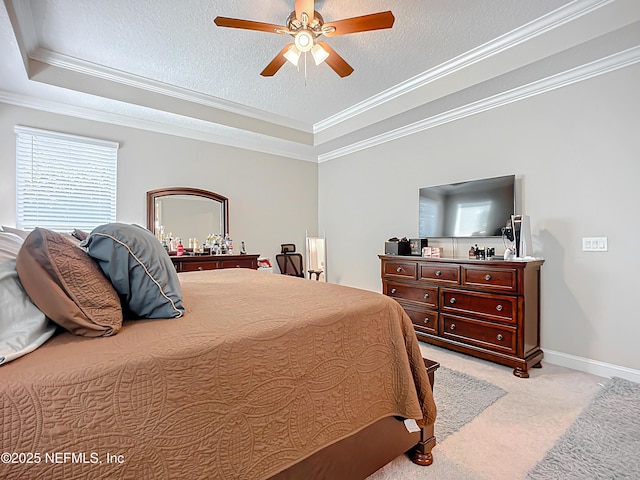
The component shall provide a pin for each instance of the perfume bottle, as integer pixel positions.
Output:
(229, 242)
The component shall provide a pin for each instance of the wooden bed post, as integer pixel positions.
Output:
(421, 454)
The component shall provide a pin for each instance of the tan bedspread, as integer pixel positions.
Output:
(262, 371)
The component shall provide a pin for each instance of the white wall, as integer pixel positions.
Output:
(272, 200)
(576, 151)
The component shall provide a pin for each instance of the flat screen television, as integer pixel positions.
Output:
(477, 208)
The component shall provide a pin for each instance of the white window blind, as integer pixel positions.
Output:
(64, 181)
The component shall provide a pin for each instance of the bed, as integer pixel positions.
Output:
(263, 376)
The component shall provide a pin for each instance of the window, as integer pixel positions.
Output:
(472, 218)
(430, 217)
(64, 181)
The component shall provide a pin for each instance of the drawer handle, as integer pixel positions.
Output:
(393, 290)
(453, 326)
(487, 277)
(452, 301)
(426, 320)
(438, 273)
(399, 269)
(200, 268)
(426, 295)
(499, 308)
(499, 337)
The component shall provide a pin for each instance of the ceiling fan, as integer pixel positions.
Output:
(306, 25)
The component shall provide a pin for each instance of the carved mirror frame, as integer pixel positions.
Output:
(152, 195)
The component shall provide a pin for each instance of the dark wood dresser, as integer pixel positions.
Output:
(194, 263)
(486, 308)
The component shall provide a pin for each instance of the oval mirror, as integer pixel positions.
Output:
(187, 213)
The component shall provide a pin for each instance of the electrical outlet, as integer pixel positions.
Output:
(594, 244)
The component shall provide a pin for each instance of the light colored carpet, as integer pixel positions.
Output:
(507, 439)
(604, 441)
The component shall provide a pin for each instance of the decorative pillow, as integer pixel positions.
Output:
(139, 268)
(79, 234)
(23, 327)
(68, 285)
(16, 231)
(10, 244)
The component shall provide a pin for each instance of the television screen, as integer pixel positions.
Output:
(477, 208)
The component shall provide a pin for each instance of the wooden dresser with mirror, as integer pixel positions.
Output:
(186, 213)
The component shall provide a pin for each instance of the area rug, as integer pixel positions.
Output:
(460, 398)
(602, 443)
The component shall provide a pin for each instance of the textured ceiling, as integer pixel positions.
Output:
(157, 59)
(177, 43)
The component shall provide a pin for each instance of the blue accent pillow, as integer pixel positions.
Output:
(139, 269)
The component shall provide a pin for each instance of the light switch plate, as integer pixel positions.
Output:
(594, 244)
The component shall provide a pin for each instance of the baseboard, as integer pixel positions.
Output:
(595, 367)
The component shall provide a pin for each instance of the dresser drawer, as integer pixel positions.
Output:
(237, 263)
(494, 307)
(477, 332)
(427, 296)
(423, 320)
(399, 269)
(499, 279)
(196, 266)
(440, 273)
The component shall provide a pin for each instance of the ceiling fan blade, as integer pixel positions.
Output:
(306, 6)
(249, 25)
(364, 23)
(336, 62)
(277, 63)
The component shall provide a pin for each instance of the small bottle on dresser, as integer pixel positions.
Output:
(229, 243)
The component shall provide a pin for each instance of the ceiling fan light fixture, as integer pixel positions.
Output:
(328, 29)
(304, 40)
(293, 55)
(319, 54)
(306, 25)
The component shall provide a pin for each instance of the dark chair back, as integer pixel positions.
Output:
(290, 262)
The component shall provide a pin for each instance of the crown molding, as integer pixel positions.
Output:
(540, 26)
(82, 67)
(211, 133)
(509, 40)
(264, 144)
(584, 72)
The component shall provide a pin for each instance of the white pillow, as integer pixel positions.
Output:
(23, 327)
(21, 233)
(10, 244)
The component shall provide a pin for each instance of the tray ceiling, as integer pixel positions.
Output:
(165, 63)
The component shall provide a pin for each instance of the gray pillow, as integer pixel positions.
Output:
(139, 268)
(23, 327)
